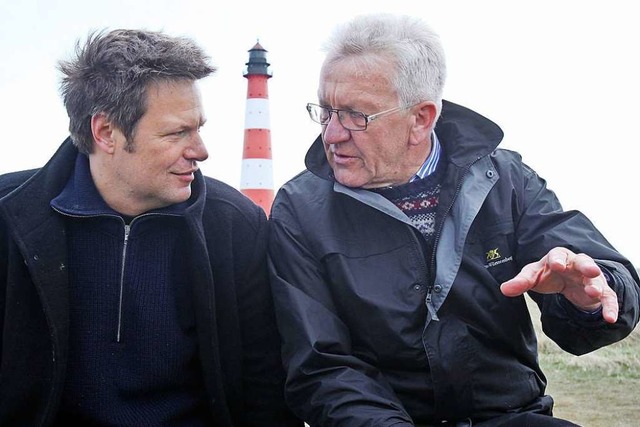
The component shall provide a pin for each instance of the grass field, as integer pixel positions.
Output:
(599, 389)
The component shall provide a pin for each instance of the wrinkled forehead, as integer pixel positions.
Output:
(359, 66)
(355, 76)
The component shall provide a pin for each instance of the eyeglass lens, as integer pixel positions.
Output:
(353, 120)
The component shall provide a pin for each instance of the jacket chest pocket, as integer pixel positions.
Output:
(377, 293)
(493, 246)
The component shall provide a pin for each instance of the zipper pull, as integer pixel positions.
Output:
(430, 309)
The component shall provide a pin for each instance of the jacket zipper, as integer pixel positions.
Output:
(431, 285)
(127, 229)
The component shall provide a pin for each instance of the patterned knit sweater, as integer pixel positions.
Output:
(419, 200)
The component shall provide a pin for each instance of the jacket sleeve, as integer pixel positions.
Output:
(246, 341)
(3, 277)
(8, 183)
(327, 384)
(544, 225)
(263, 374)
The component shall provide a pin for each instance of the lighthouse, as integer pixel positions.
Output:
(256, 178)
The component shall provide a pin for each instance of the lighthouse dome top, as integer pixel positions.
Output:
(257, 64)
(257, 46)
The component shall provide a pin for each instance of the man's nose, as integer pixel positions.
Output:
(196, 149)
(334, 132)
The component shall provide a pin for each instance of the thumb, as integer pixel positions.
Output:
(515, 287)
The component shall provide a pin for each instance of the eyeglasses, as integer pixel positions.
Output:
(349, 119)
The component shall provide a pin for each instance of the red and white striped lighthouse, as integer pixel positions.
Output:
(256, 179)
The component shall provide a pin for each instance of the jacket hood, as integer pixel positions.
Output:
(465, 136)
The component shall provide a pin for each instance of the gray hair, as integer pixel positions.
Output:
(405, 43)
(111, 74)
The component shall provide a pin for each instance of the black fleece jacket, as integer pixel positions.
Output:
(238, 343)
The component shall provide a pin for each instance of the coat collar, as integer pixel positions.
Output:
(27, 208)
(80, 197)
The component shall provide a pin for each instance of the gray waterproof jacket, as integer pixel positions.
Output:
(378, 333)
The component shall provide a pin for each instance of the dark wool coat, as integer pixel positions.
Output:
(377, 331)
(238, 340)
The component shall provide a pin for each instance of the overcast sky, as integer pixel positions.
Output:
(560, 78)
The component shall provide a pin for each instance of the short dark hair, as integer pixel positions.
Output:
(111, 74)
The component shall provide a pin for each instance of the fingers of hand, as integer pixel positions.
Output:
(610, 306)
(594, 287)
(585, 265)
(559, 258)
(599, 290)
(523, 281)
(593, 293)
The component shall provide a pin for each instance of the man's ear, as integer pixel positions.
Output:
(425, 120)
(104, 133)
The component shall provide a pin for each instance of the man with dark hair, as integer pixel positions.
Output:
(133, 289)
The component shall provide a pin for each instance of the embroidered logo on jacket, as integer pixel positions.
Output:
(494, 258)
(493, 254)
